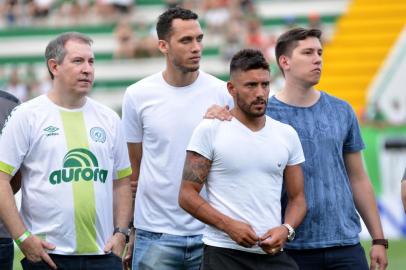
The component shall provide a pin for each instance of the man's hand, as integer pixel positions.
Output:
(116, 244)
(274, 239)
(218, 112)
(127, 261)
(241, 233)
(379, 259)
(34, 250)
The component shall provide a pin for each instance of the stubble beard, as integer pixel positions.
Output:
(246, 108)
(185, 69)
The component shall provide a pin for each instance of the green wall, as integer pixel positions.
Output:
(373, 136)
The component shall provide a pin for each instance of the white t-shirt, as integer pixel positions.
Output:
(246, 175)
(68, 159)
(162, 118)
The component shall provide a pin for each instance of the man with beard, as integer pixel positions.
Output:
(336, 183)
(159, 115)
(71, 151)
(243, 163)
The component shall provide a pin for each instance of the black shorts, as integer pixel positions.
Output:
(215, 258)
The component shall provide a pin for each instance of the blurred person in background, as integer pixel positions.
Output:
(31, 81)
(130, 44)
(216, 15)
(159, 115)
(74, 12)
(11, 11)
(76, 194)
(40, 9)
(125, 41)
(3, 77)
(7, 103)
(173, 3)
(16, 86)
(114, 10)
(233, 39)
(255, 38)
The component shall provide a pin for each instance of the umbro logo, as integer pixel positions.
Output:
(51, 131)
(279, 164)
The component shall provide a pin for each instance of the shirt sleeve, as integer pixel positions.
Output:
(14, 141)
(296, 155)
(201, 141)
(122, 166)
(353, 141)
(132, 122)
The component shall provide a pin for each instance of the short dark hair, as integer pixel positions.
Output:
(164, 25)
(289, 40)
(56, 47)
(248, 59)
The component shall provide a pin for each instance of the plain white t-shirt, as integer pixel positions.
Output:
(162, 118)
(246, 175)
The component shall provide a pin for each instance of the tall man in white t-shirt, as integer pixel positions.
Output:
(244, 163)
(71, 151)
(159, 115)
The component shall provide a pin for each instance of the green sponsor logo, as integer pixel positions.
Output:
(79, 164)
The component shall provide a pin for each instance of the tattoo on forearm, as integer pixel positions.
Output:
(196, 168)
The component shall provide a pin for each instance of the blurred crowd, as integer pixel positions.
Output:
(23, 82)
(61, 12)
(229, 24)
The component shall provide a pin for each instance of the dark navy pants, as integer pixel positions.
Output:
(64, 262)
(337, 258)
(215, 258)
(6, 253)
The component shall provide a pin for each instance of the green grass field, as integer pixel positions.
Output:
(396, 253)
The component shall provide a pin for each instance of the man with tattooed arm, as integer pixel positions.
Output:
(243, 163)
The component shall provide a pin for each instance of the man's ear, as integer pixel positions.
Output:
(231, 88)
(53, 66)
(284, 62)
(163, 46)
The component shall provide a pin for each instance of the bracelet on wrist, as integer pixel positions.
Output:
(131, 225)
(383, 242)
(22, 238)
(125, 231)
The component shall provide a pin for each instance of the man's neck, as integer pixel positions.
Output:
(67, 101)
(298, 95)
(177, 78)
(253, 123)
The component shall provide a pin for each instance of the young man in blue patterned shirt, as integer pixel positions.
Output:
(336, 183)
